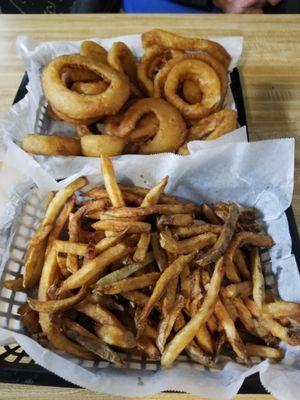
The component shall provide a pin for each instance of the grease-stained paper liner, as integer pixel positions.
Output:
(30, 115)
(227, 172)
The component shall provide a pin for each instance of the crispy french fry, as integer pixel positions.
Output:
(124, 272)
(164, 198)
(242, 267)
(40, 235)
(60, 222)
(95, 346)
(129, 284)
(60, 199)
(186, 335)
(70, 247)
(243, 289)
(57, 339)
(142, 247)
(98, 313)
(115, 336)
(131, 212)
(210, 215)
(52, 306)
(280, 309)
(110, 182)
(145, 344)
(14, 284)
(31, 321)
(257, 278)
(176, 220)
(184, 232)
(108, 242)
(258, 350)
(204, 339)
(231, 332)
(225, 237)
(121, 226)
(166, 324)
(276, 329)
(159, 254)
(187, 245)
(170, 273)
(92, 269)
(153, 195)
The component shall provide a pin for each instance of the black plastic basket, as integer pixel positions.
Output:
(17, 367)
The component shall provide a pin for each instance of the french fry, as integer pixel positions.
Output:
(257, 278)
(166, 324)
(121, 226)
(101, 193)
(225, 237)
(184, 232)
(91, 270)
(70, 247)
(176, 220)
(60, 199)
(60, 222)
(115, 336)
(110, 182)
(98, 313)
(129, 284)
(124, 272)
(240, 263)
(243, 289)
(31, 321)
(210, 215)
(231, 332)
(40, 235)
(132, 212)
(257, 350)
(280, 309)
(170, 273)
(142, 247)
(14, 284)
(145, 344)
(285, 334)
(163, 198)
(52, 306)
(57, 339)
(187, 245)
(186, 335)
(152, 197)
(159, 254)
(95, 346)
(108, 242)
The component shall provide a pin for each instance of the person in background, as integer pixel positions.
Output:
(148, 6)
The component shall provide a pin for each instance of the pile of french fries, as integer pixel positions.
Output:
(123, 269)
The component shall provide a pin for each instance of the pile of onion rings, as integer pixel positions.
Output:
(120, 104)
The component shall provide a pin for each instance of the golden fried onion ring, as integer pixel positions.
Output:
(75, 106)
(191, 92)
(171, 131)
(213, 126)
(97, 145)
(121, 59)
(92, 49)
(161, 77)
(208, 81)
(170, 40)
(89, 87)
(153, 59)
(146, 127)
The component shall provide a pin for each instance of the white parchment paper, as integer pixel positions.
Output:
(29, 115)
(229, 171)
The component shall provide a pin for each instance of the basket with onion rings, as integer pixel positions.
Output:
(172, 94)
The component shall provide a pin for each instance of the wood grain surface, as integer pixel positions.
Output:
(24, 392)
(270, 71)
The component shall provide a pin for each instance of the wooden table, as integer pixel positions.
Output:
(270, 71)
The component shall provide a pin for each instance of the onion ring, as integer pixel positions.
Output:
(213, 126)
(77, 106)
(145, 129)
(153, 59)
(171, 131)
(77, 75)
(166, 39)
(121, 59)
(97, 145)
(89, 87)
(92, 49)
(209, 84)
(191, 92)
(161, 77)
